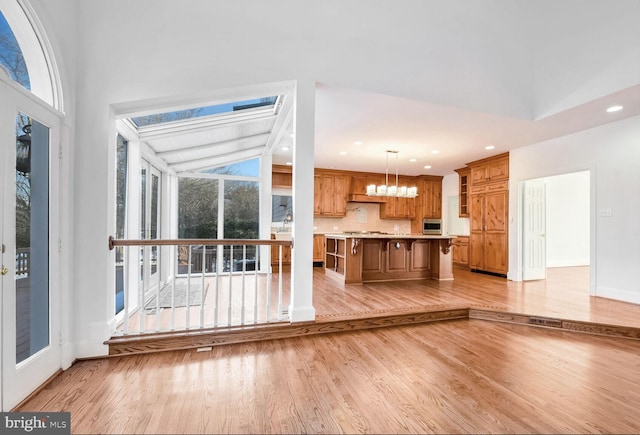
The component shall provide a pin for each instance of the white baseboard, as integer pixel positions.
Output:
(619, 294)
(568, 263)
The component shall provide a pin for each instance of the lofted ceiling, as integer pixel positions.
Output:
(437, 81)
(354, 129)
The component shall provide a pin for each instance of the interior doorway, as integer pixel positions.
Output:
(566, 221)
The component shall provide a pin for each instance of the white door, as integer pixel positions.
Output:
(534, 257)
(30, 322)
(150, 197)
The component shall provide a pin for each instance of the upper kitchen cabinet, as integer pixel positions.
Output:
(400, 207)
(281, 177)
(490, 169)
(430, 196)
(463, 191)
(330, 193)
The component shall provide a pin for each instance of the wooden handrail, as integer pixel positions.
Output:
(207, 242)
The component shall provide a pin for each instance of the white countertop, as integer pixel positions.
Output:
(385, 236)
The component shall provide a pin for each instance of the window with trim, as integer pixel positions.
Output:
(11, 57)
(220, 203)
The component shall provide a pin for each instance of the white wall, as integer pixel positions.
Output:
(612, 154)
(603, 47)
(568, 216)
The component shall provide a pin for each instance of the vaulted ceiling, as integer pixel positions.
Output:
(417, 76)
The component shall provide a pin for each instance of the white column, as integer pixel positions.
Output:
(301, 308)
(265, 210)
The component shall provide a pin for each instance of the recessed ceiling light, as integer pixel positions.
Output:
(435, 152)
(284, 148)
(358, 142)
(614, 109)
(343, 153)
(489, 147)
(413, 160)
(291, 135)
(427, 167)
(289, 163)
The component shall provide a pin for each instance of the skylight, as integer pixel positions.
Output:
(196, 112)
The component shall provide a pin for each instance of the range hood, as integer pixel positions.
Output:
(357, 197)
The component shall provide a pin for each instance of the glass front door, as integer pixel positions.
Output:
(30, 354)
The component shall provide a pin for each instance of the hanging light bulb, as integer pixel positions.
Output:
(391, 189)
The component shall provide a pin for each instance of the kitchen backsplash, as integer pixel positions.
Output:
(360, 217)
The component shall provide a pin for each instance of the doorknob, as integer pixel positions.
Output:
(4, 271)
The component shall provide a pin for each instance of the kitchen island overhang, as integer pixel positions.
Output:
(355, 258)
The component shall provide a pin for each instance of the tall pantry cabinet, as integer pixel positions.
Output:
(489, 211)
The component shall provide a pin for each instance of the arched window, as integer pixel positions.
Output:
(25, 52)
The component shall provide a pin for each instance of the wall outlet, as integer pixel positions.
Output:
(605, 212)
(335, 228)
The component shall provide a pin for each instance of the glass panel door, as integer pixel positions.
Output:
(31, 237)
(28, 222)
(149, 224)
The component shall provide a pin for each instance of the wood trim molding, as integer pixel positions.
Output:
(344, 322)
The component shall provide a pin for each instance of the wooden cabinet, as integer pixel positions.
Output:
(489, 211)
(398, 208)
(490, 169)
(430, 192)
(318, 248)
(428, 202)
(281, 176)
(460, 251)
(463, 191)
(330, 194)
(275, 257)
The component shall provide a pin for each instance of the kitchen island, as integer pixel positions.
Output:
(358, 257)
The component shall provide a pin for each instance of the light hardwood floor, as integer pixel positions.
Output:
(457, 376)
(464, 376)
(564, 294)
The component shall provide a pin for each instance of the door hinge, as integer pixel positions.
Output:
(60, 151)
(60, 339)
(59, 245)
(4, 248)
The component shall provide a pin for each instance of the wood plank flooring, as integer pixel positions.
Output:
(564, 294)
(562, 300)
(461, 376)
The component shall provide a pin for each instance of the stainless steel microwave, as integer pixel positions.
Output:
(432, 227)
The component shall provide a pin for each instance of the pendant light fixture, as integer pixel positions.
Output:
(393, 189)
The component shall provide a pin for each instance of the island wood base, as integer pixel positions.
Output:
(354, 260)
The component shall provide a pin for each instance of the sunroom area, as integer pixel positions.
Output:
(195, 213)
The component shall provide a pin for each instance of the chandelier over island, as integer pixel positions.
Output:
(393, 189)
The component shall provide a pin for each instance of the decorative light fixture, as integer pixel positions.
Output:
(392, 190)
(23, 150)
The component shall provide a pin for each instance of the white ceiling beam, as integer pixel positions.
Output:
(232, 152)
(217, 161)
(205, 123)
(285, 118)
(214, 145)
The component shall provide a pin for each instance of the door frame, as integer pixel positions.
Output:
(18, 381)
(592, 222)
